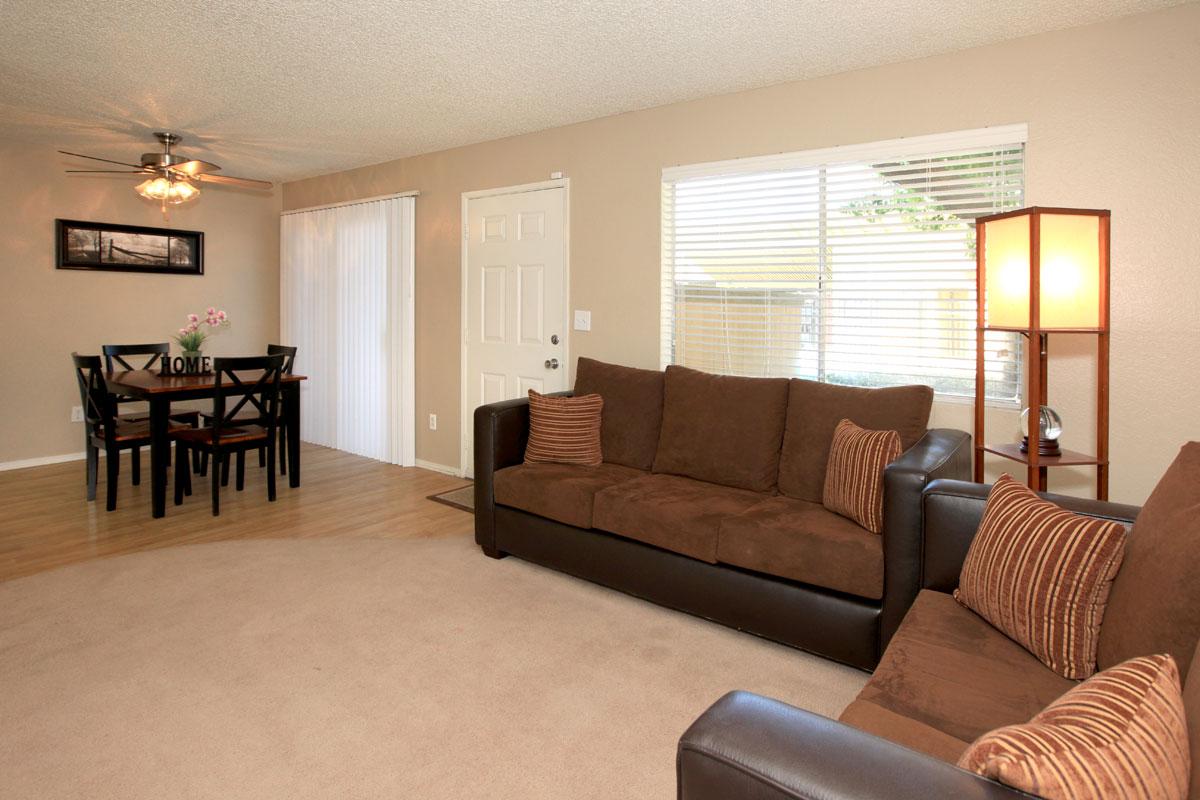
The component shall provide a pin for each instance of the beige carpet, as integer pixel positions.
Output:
(359, 669)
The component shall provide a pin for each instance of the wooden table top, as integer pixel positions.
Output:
(143, 382)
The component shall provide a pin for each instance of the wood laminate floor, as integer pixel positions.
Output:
(46, 521)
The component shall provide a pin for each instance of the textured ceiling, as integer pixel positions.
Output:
(281, 89)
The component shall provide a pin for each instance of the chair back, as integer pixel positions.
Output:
(117, 352)
(98, 404)
(289, 354)
(261, 392)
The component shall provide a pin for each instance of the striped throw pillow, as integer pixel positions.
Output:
(854, 473)
(1121, 733)
(564, 430)
(1041, 575)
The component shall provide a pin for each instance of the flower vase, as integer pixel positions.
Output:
(193, 361)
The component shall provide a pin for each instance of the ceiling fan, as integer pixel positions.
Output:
(170, 176)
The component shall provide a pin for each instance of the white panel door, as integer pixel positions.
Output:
(515, 309)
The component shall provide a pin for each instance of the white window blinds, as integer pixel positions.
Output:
(852, 265)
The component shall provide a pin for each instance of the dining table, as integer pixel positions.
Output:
(160, 391)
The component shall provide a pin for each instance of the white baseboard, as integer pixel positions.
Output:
(41, 462)
(442, 468)
(25, 463)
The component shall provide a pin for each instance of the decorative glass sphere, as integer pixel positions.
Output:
(1049, 423)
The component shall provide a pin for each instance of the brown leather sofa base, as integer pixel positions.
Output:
(831, 624)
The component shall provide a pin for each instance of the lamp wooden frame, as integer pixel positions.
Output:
(1037, 337)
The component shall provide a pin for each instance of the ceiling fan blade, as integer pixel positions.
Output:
(105, 160)
(110, 171)
(231, 181)
(195, 167)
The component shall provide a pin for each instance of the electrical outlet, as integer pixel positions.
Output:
(76, 413)
(433, 422)
(583, 320)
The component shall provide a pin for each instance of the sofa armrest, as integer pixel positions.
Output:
(501, 431)
(752, 748)
(953, 510)
(941, 453)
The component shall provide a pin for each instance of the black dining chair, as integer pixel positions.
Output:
(233, 432)
(158, 353)
(104, 429)
(289, 354)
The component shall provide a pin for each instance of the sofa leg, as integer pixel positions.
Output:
(492, 552)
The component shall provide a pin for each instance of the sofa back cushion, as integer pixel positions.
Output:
(813, 412)
(1154, 606)
(722, 429)
(633, 405)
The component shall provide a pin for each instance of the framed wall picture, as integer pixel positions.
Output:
(128, 248)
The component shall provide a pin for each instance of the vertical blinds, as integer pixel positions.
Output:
(852, 265)
(346, 288)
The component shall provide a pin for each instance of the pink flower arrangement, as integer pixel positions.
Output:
(191, 337)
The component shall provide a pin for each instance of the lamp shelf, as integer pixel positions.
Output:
(1067, 458)
(1042, 330)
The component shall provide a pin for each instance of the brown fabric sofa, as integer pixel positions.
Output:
(709, 501)
(948, 676)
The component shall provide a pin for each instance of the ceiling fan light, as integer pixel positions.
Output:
(164, 190)
(182, 191)
(153, 189)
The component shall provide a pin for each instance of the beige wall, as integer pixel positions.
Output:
(1113, 117)
(48, 313)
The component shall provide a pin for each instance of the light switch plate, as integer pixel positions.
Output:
(583, 320)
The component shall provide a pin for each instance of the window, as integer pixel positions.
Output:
(852, 265)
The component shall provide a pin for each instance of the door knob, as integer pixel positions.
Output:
(551, 363)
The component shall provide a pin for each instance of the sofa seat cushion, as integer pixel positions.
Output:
(805, 542)
(562, 492)
(671, 512)
(906, 731)
(947, 668)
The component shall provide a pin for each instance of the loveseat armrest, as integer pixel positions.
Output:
(750, 747)
(501, 431)
(953, 510)
(941, 453)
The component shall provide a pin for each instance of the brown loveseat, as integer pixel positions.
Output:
(948, 676)
(709, 501)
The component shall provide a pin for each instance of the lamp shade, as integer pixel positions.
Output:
(1068, 266)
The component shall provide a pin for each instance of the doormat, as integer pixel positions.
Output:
(462, 498)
